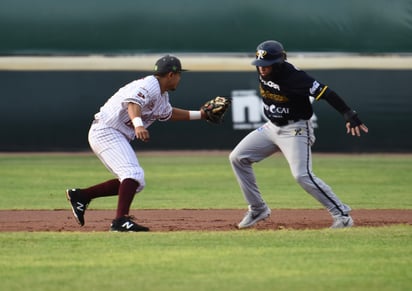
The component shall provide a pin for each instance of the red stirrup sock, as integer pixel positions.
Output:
(108, 188)
(127, 190)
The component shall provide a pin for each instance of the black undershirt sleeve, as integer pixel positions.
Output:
(335, 101)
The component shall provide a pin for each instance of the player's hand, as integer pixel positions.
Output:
(356, 130)
(354, 125)
(142, 133)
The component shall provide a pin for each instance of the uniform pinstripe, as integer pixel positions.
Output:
(111, 132)
(125, 116)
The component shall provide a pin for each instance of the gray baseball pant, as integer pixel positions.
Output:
(294, 141)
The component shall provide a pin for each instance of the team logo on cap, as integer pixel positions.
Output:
(260, 54)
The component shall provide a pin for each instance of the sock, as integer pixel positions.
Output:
(108, 188)
(127, 190)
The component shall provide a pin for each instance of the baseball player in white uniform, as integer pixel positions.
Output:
(125, 116)
(286, 93)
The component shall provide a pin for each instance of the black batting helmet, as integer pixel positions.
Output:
(268, 53)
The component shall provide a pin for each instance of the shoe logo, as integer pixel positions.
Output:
(257, 214)
(127, 225)
(80, 206)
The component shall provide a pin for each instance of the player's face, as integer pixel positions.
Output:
(174, 81)
(265, 71)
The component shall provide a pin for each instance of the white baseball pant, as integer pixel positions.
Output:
(116, 153)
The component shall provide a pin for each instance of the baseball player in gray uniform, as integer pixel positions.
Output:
(125, 116)
(286, 93)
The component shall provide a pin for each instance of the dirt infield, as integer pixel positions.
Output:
(164, 220)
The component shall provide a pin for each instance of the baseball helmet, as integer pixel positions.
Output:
(268, 53)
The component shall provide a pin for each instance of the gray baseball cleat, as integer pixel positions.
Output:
(342, 221)
(254, 216)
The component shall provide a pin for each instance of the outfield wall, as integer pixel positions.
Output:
(133, 27)
(48, 103)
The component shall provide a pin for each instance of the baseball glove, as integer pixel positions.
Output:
(216, 108)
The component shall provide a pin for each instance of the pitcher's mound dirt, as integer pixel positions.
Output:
(193, 219)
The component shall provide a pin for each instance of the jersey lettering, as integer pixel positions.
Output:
(288, 97)
(273, 96)
(276, 109)
(270, 84)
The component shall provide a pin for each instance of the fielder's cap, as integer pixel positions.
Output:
(167, 64)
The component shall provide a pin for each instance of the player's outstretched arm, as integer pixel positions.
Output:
(179, 114)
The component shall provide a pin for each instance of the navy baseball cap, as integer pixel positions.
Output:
(167, 64)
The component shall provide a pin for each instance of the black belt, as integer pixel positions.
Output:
(284, 122)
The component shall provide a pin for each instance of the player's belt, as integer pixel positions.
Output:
(129, 123)
(284, 122)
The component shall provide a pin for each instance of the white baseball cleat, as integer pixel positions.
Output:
(254, 216)
(342, 221)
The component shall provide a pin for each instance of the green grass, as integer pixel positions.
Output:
(363, 181)
(352, 259)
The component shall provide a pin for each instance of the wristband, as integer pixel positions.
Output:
(195, 115)
(137, 121)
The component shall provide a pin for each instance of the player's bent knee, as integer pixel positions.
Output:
(140, 187)
(233, 157)
(138, 178)
(236, 158)
(301, 178)
(304, 181)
